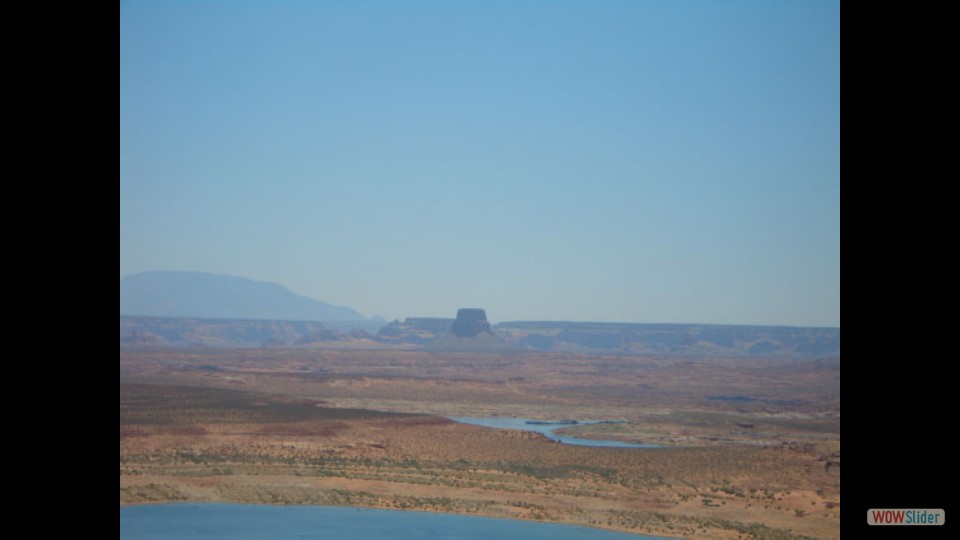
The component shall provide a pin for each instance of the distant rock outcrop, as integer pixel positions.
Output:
(179, 332)
(414, 330)
(470, 331)
(470, 322)
(674, 339)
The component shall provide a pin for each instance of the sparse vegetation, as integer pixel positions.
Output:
(296, 427)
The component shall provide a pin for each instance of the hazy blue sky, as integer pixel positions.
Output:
(647, 161)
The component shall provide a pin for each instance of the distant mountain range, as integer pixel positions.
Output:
(218, 296)
(628, 338)
(688, 340)
(196, 308)
(679, 339)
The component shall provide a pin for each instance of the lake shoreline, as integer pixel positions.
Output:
(548, 428)
(550, 528)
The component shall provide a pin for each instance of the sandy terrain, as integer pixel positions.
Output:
(754, 446)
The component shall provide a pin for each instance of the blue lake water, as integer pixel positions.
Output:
(548, 430)
(213, 521)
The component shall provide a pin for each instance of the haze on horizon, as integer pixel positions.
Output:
(608, 161)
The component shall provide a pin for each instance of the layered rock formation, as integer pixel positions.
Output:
(414, 330)
(470, 322)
